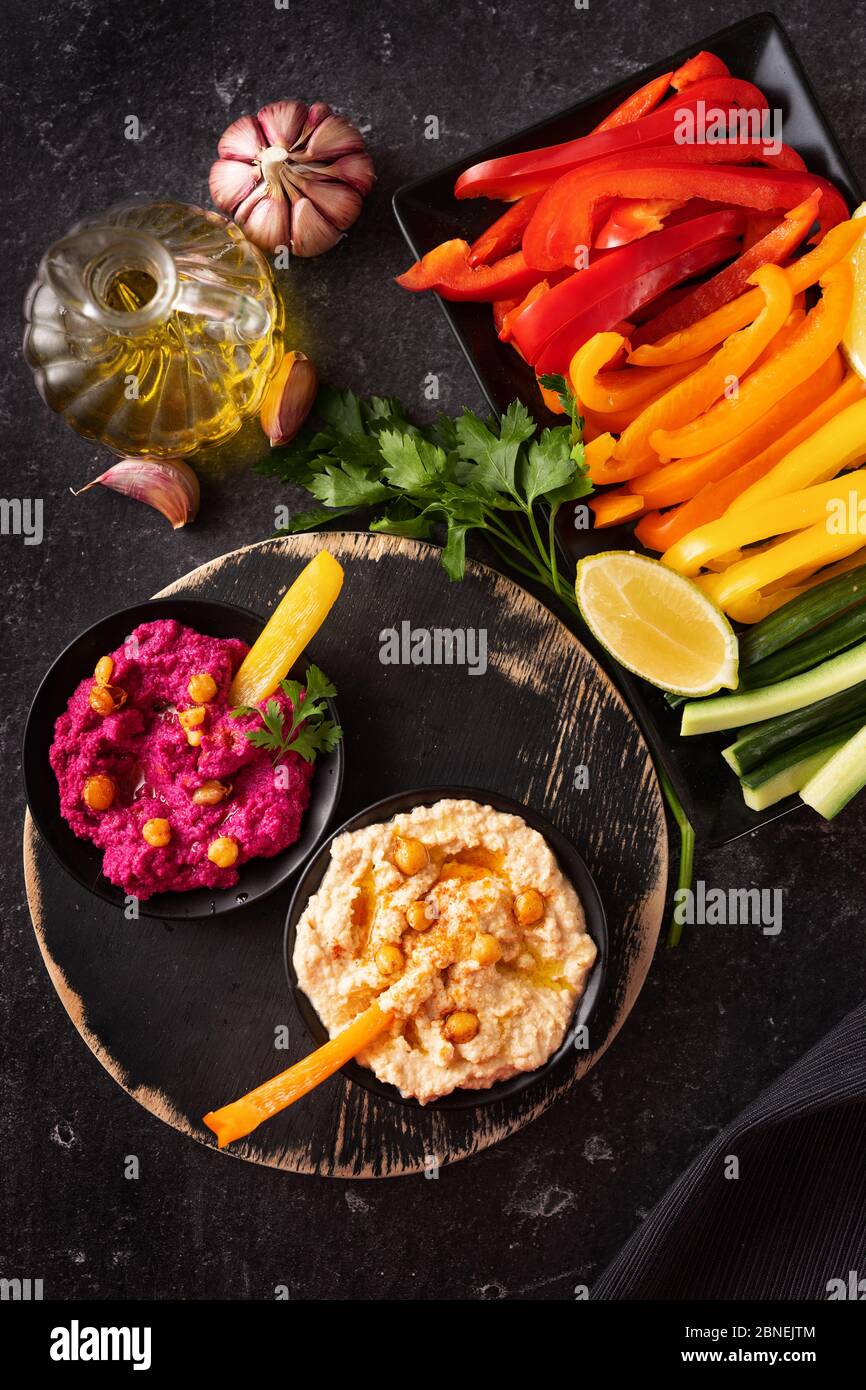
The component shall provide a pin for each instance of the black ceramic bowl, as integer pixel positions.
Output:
(572, 866)
(83, 860)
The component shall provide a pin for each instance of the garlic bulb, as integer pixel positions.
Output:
(292, 176)
(168, 485)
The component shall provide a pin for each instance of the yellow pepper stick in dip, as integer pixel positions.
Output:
(776, 517)
(293, 623)
(243, 1116)
(814, 341)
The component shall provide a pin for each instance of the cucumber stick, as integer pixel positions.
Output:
(824, 642)
(733, 711)
(841, 714)
(827, 741)
(793, 620)
(788, 781)
(833, 785)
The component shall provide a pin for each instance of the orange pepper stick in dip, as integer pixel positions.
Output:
(242, 1116)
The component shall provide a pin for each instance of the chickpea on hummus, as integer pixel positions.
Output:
(457, 919)
(152, 768)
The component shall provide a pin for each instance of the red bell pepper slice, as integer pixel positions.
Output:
(640, 103)
(774, 248)
(629, 219)
(506, 325)
(659, 304)
(502, 307)
(505, 234)
(609, 273)
(446, 270)
(567, 214)
(514, 175)
(698, 69)
(558, 352)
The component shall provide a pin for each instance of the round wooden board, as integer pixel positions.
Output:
(183, 1014)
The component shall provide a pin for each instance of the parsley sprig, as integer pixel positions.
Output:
(308, 733)
(451, 477)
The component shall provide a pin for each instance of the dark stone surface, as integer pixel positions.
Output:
(717, 1019)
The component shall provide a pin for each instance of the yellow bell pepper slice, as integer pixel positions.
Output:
(779, 515)
(838, 444)
(293, 623)
(814, 546)
(814, 341)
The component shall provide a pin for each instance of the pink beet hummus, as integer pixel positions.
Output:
(144, 748)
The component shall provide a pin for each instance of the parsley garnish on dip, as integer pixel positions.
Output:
(156, 769)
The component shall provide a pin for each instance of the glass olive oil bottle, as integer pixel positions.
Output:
(154, 328)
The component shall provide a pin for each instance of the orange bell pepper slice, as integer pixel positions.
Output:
(807, 271)
(613, 508)
(821, 397)
(551, 399)
(595, 455)
(816, 339)
(678, 481)
(618, 391)
(696, 392)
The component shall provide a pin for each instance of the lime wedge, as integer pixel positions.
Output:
(657, 623)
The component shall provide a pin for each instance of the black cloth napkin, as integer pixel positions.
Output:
(795, 1218)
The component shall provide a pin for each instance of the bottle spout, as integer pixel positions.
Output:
(123, 280)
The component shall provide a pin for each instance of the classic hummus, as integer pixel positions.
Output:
(457, 919)
(153, 770)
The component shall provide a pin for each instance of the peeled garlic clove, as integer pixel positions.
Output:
(282, 122)
(169, 485)
(289, 398)
(311, 232)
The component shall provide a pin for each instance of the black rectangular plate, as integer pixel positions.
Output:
(757, 49)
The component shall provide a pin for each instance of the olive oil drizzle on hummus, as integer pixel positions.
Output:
(467, 865)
